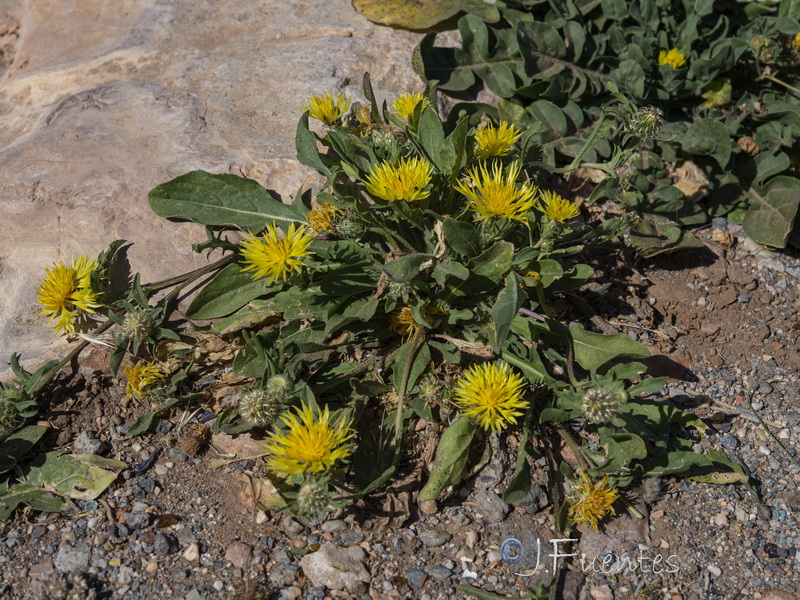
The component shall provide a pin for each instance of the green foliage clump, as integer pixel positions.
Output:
(725, 76)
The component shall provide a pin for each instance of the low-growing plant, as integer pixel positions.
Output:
(417, 283)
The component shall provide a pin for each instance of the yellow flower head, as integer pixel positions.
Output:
(327, 107)
(274, 256)
(674, 58)
(406, 181)
(556, 208)
(491, 394)
(497, 195)
(496, 141)
(65, 293)
(717, 93)
(403, 323)
(796, 41)
(323, 217)
(405, 104)
(312, 444)
(141, 377)
(590, 502)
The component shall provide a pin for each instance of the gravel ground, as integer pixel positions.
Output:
(728, 322)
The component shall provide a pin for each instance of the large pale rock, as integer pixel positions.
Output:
(336, 568)
(103, 101)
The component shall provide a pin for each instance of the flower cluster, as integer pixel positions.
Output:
(494, 194)
(491, 394)
(674, 58)
(312, 443)
(407, 180)
(328, 108)
(142, 378)
(66, 293)
(591, 502)
(405, 104)
(273, 256)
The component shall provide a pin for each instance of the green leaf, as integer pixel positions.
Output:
(405, 268)
(492, 57)
(431, 137)
(449, 268)
(451, 458)
(462, 237)
(305, 143)
(593, 350)
(789, 8)
(773, 208)
(221, 200)
(18, 444)
(505, 309)
(494, 262)
(708, 137)
(36, 498)
(422, 14)
(710, 469)
(768, 165)
(228, 291)
(422, 360)
(520, 483)
(349, 280)
(78, 476)
(554, 415)
(572, 279)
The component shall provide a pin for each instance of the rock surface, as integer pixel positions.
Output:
(100, 104)
(336, 568)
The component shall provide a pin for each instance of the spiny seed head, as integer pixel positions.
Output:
(258, 407)
(399, 291)
(137, 325)
(313, 498)
(279, 387)
(9, 414)
(651, 489)
(385, 140)
(430, 388)
(599, 405)
(348, 229)
(646, 123)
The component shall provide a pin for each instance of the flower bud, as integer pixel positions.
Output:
(313, 498)
(599, 405)
(646, 123)
(9, 414)
(279, 387)
(348, 228)
(138, 325)
(258, 407)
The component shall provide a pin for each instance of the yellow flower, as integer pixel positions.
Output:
(495, 195)
(405, 104)
(327, 107)
(406, 181)
(65, 293)
(310, 445)
(141, 377)
(491, 394)
(323, 218)
(589, 502)
(273, 256)
(717, 93)
(674, 58)
(496, 141)
(403, 323)
(796, 42)
(556, 208)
